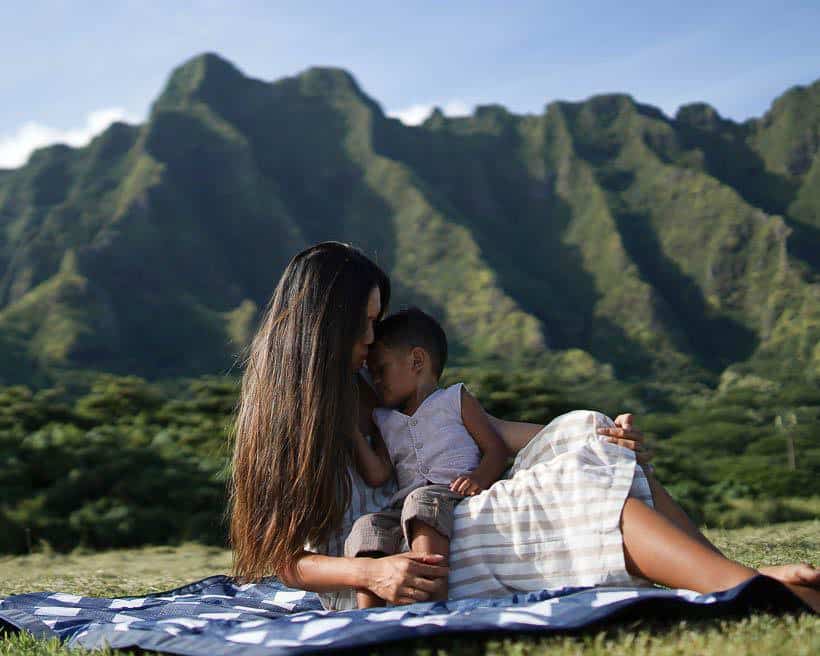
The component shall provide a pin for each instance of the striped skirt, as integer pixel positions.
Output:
(551, 522)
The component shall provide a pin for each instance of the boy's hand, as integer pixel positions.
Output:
(467, 486)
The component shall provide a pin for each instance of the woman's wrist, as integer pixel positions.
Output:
(364, 573)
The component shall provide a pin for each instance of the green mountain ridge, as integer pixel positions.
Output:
(666, 247)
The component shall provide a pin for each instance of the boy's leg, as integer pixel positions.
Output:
(365, 598)
(427, 520)
(425, 538)
(372, 536)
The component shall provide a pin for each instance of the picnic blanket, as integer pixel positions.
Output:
(216, 617)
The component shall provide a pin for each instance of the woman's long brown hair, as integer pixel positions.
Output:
(288, 481)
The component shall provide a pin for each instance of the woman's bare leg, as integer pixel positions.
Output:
(670, 509)
(658, 550)
(517, 435)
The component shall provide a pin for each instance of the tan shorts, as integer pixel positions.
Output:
(383, 531)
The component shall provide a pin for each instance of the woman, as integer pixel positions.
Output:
(294, 491)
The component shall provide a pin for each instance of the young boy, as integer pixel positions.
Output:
(439, 442)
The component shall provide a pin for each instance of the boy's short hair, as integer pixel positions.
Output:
(412, 327)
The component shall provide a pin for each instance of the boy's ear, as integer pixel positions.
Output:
(418, 356)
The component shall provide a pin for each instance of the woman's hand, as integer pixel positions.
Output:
(626, 435)
(406, 578)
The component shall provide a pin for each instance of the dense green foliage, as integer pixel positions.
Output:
(664, 247)
(121, 464)
(105, 461)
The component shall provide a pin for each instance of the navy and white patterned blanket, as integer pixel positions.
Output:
(215, 617)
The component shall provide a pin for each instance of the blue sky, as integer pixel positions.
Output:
(71, 67)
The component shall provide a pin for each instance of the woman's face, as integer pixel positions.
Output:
(361, 347)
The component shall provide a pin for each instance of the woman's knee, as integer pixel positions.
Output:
(593, 417)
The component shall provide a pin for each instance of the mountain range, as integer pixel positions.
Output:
(668, 247)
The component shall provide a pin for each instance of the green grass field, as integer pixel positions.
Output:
(152, 569)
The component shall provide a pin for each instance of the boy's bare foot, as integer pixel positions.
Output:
(367, 599)
(795, 574)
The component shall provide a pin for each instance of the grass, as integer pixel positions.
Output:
(152, 569)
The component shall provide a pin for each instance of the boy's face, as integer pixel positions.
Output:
(392, 372)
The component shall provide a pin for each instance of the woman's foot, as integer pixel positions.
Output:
(801, 578)
(795, 574)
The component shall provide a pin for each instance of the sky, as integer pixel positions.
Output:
(70, 68)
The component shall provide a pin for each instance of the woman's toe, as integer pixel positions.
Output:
(796, 574)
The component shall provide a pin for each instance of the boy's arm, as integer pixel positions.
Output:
(494, 452)
(373, 461)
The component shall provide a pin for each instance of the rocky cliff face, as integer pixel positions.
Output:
(664, 246)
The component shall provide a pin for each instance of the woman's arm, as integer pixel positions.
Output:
(516, 434)
(320, 573)
(402, 578)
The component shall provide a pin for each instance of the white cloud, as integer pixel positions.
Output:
(16, 147)
(416, 114)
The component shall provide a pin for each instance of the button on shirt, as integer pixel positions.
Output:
(432, 445)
